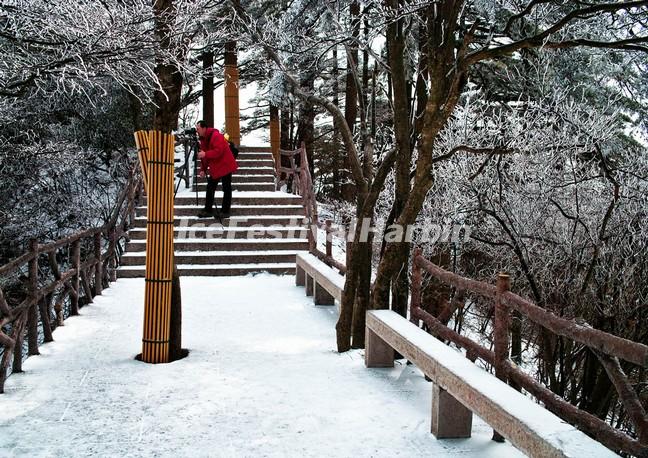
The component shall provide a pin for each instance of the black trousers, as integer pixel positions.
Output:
(212, 183)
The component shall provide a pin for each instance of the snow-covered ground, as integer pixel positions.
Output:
(262, 379)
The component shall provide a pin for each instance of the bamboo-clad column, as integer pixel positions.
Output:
(142, 143)
(159, 247)
(275, 136)
(232, 122)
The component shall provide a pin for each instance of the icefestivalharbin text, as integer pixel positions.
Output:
(232, 228)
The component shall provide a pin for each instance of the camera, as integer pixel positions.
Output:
(191, 131)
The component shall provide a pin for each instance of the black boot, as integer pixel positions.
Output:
(204, 213)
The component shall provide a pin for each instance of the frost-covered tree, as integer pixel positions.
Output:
(455, 39)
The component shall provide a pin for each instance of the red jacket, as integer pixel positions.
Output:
(219, 160)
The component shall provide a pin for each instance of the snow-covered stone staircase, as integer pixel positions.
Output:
(263, 234)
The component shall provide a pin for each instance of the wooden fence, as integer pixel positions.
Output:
(608, 348)
(302, 184)
(77, 281)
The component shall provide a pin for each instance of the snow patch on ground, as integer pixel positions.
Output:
(262, 379)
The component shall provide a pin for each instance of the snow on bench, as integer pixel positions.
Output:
(321, 281)
(461, 388)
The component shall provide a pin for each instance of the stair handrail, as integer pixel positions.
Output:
(302, 185)
(82, 279)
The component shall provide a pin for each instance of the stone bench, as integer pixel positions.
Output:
(322, 282)
(461, 388)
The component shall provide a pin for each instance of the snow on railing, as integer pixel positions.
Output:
(88, 270)
(608, 348)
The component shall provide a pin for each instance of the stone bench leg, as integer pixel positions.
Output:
(377, 352)
(300, 276)
(450, 418)
(309, 285)
(323, 297)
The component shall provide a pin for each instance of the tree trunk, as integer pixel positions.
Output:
(351, 93)
(165, 119)
(446, 81)
(351, 90)
(175, 334)
(167, 100)
(306, 125)
(402, 128)
(337, 150)
(362, 293)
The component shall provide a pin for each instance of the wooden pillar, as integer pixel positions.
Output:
(159, 249)
(208, 88)
(232, 121)
(275, 136)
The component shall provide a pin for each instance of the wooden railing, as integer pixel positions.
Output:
(302, 184)
(81, 278)
(608, 348)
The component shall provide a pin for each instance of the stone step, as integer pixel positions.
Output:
(243, 198)
(226, 270)
(216, 231)
(254, 149)
(256, 155)
(234, 221)
(254, 170)
(228, 245)
(245, 162)
(244, 179)
(236, 210)
(217, 257)
(243, 187)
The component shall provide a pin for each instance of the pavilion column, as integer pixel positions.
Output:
(208, 88)
(232, 121)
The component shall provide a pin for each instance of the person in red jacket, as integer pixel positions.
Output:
(218, 163)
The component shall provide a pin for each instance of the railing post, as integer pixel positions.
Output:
(501, 327)
(45, 307)
(417, 279)
(32, 317)
(18, 336)
(112, 244)
(329, 242)
(76, 265)
(516, 343)
(98, 286)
